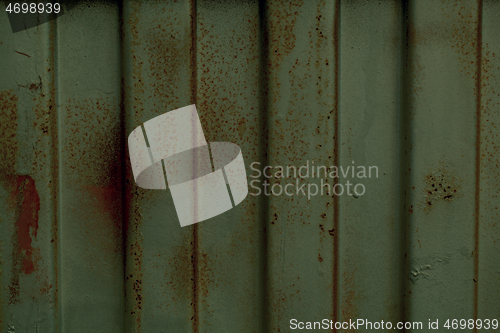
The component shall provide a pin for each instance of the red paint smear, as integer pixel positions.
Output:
(29, 206)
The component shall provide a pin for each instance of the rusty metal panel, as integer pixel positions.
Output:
(160, 256)
(90, 178)
(441, 99)
(301, 109)
(371, 252)
(28, 214)
(230, 274)
(487, 232)
(410, 87)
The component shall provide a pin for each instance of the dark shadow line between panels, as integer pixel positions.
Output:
(123, 158)
(336, 156)
(478, 154)
(405, 160)
(193, 16)
(264, 158)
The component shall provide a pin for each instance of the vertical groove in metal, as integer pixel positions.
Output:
(336, 41)
(194, 89)
(405, 142)
(123, 157)
(263, 157)
(479, 45)
(174, 286)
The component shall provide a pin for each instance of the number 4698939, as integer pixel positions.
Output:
(33, 8)
(471, 324)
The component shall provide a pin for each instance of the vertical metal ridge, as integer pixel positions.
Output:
(405, 162)
(263, 156)
(194, 90)
(336, 42)
(478, 152)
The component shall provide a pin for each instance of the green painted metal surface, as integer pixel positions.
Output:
(409, 87)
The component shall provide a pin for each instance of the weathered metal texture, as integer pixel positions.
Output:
(28, 214)
(301, 110)
(90, 187)
(371, 252)
(410, 87)
(441, 124)
(487, 232)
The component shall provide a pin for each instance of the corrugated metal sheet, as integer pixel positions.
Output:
(411, 87)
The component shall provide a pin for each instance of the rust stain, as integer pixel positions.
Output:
(24, 200)
(349, 297)
(458, 30)
(179, 273)
(222, 87)
(24, 54)
(301, 62)
(134, 93)
(193, 83)
(92, 161)
(206, 280)
(135, 279)
(135, 197)
(281, 27)
(8, 128)
(228, 103)
(167, 51)
(91, 146)
(242, 127)
(440, 185)
(487, 141)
